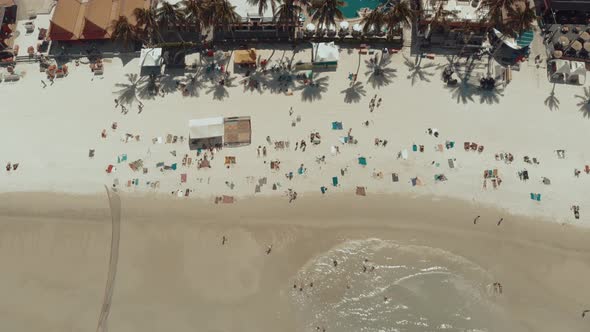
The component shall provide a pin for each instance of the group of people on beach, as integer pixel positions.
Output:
(374, 103)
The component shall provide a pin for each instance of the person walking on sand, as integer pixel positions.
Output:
(500, 221)
(223, 240)
(269, 249)
(475, 220)
(258, 151)
(44, 84)
(116, 102)
(264, 151)
(291, 111)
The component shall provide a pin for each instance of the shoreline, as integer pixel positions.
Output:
(171, 257)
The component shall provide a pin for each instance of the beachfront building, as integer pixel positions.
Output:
(253, 25)
(566, 11)
(452, 24)
(81, 20)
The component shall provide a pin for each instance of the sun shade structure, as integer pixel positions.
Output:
(206, 128)
(568, 71)
(231, 131)
(325, 54)
(90, 19)
(151, 57)
(245, 57)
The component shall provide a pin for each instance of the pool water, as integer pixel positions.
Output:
(352, 7)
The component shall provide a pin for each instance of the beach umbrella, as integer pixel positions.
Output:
(585, 36)
(577, 45)
(587, 46)
(344, 25)
(331, 27)
(557, 54)
(357, 28)
(564, 41)
(310, 27)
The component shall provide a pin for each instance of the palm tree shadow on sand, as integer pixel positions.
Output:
(194, 83)
(464, 91)
(219, 91)
(417, 70)
(552, 102)
(379, 74)
(314, 89)
(490, 96)
(584, 102)
(128, 92)
(354, 93)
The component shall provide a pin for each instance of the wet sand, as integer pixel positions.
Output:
(174, 274)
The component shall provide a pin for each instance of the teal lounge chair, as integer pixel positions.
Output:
(363, 161)
(335, 181)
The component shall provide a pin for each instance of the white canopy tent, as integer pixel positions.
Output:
(151, 57)
(206, 128)
(325, 53)
(569, 71)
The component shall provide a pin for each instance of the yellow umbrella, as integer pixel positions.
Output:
(564, 41)
(577, 45)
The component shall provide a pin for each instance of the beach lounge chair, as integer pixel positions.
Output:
(361, 191)
(414, 147)
(183, 178)
(467, 146)
(335, 181)
(173, 166)
(480, 149)
(110, 168)
(394, 177)
(474, 146)
(91, 153)
(362, 161)
(533, 196)
(451, 163)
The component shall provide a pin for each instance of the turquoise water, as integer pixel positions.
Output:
(352, 6)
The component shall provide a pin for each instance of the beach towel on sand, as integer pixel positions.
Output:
(337, 125)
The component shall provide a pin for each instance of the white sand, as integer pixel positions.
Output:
(49, 131)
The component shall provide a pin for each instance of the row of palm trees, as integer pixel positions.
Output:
(511, 16)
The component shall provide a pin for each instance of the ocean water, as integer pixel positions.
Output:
(384, 286)
(350, 10)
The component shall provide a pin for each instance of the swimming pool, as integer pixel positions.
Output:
(352, 6)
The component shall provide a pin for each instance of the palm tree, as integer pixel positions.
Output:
(145, 20)
(442, 17)
(521, 17)
(496, 9)
(169, 16)
(325, 12)
(193, 12)
(122, 31)
(263, 5)
(374, 21)
(287, 13)
(221, 14)
(401, 14)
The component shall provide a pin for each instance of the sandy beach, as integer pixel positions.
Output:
(49, 132)
(173, 271)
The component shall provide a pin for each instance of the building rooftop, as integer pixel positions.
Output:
(247, 11)
(466, 11)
